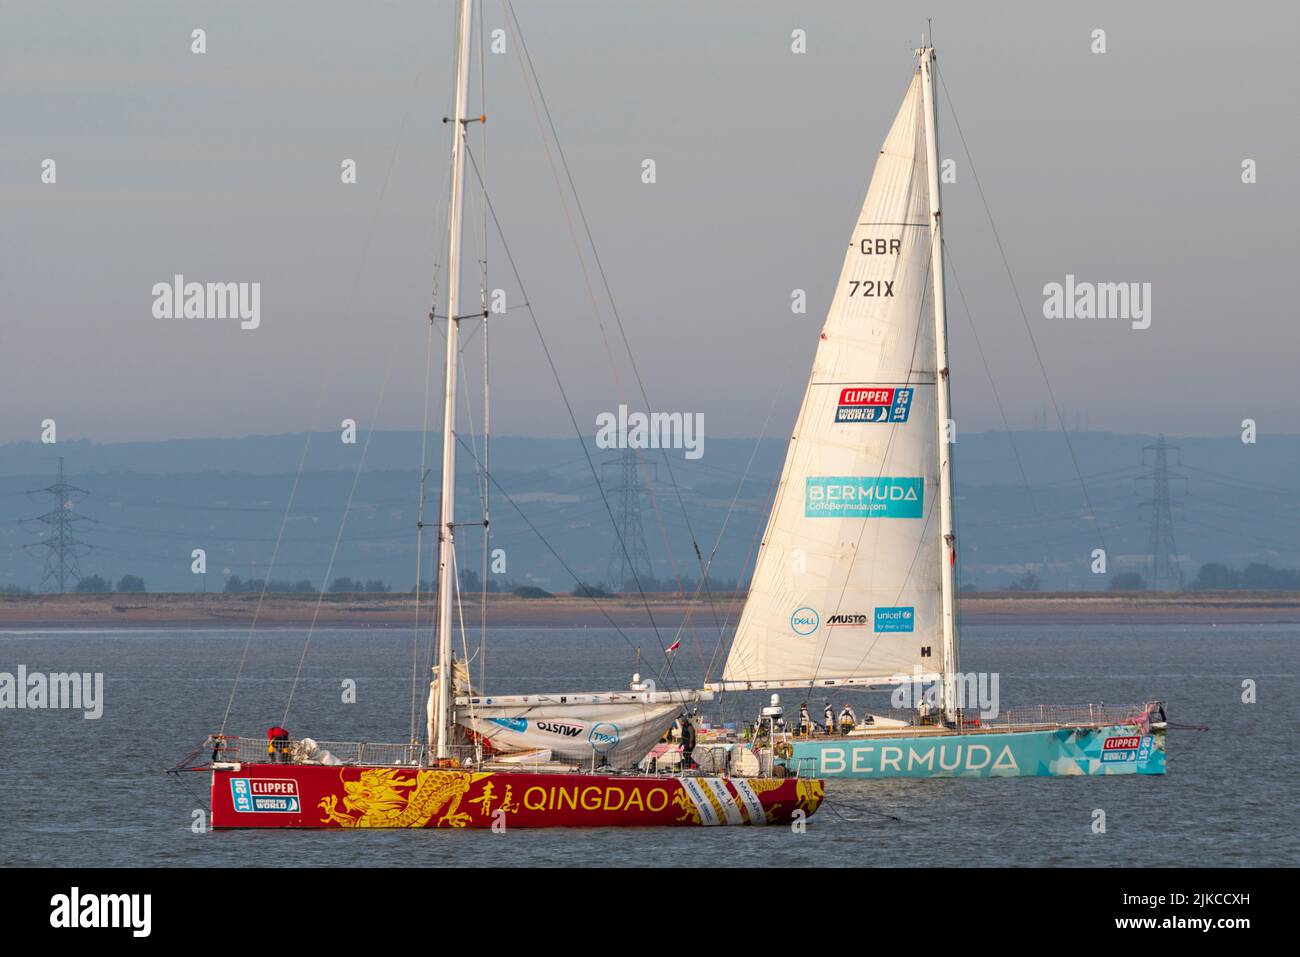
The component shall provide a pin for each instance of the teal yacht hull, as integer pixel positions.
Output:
(1036, 752)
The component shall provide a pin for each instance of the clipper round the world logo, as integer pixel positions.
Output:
(874, 404)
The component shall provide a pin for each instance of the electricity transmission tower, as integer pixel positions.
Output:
(1164, 573)
(629, 558)
(60, 545)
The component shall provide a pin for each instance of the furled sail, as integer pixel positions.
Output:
(847, 585)
(612, 733)
(609, 728)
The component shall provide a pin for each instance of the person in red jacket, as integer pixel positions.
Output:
(277, 744)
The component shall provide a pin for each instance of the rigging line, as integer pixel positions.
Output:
(419, 522)
(261, 597)
(740, 485)
(338, 540)
(464, 645)
(473, 431)
(1015, 291)
(1015, 451)
(556, 555)
(722, 531)
(487, 519)
(484, 566)
(464, 341)
(523, 47)
(754, 545)
(481, 484)
(326, 381)
(555, 372)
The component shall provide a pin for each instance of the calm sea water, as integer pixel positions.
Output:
(79, 792)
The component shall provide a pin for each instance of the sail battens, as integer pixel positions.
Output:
(845, 589)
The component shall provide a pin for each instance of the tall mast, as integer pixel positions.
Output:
(943, 401)
(446, 521)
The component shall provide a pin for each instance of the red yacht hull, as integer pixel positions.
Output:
(319, 796)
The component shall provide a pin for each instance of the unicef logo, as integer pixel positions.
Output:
(805, 621)
(907, 614)
(603, 737)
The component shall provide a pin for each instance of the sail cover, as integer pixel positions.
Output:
(847, 582)
(615, 729)
(617, 734)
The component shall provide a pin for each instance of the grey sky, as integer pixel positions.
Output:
(225, 167)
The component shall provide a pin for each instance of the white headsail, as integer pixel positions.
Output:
(848, 586)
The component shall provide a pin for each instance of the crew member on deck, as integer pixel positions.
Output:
(277, 745)
(805, 719)
(848, 720)
(830, 718)
(688, 742)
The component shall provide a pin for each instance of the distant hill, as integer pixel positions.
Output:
(154, 502)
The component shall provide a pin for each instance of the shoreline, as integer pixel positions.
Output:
(198, 611)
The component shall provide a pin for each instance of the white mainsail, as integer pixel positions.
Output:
(849, 581)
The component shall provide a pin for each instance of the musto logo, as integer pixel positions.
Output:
(873, 405)
(265, 794)
(841, 621)
(560, 728)
(805, 621)
(896, 618)
(856, 496)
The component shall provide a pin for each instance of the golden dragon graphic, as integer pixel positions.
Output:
(809, 793)
(383, 797)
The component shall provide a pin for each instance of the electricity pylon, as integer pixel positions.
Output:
(1164, 572)
(61, 546)
(629, 558)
